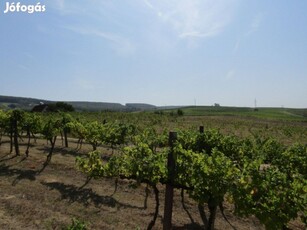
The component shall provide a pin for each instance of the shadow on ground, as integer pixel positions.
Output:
(61, 150)
(86, 196)
(192, 226)
(21, 174)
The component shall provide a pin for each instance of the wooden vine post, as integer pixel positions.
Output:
(169, 191)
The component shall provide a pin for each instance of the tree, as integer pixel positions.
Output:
(180, 112)
(31, 124)
(15, 117)
(60, 106)
(66, 119)
(3, 123)
(51, 130)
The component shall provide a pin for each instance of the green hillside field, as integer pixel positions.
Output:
(265, 113)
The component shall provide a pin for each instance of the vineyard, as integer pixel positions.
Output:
(151, 171)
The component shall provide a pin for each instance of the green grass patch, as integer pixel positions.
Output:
(265, 113)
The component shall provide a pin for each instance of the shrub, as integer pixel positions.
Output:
(76, 225)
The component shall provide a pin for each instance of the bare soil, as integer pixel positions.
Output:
(50, 199)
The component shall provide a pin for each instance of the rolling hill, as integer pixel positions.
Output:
(11, 102)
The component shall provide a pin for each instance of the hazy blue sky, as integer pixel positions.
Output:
(163, 52)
